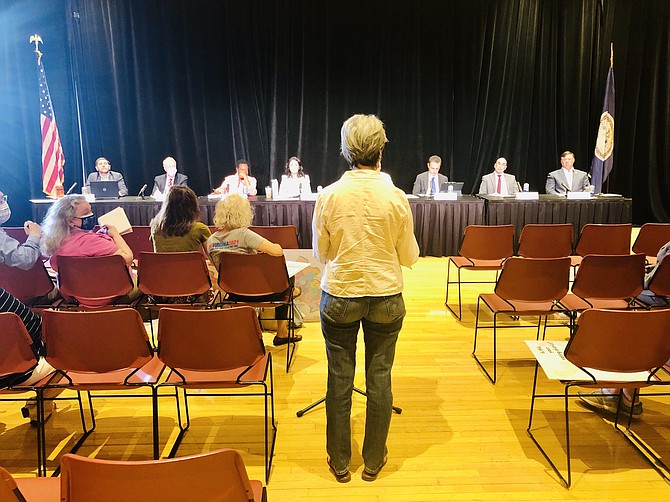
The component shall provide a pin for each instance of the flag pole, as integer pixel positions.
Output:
(37, 40)
(607, 181)
(53, 159)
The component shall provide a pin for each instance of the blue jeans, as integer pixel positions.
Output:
(340, 320)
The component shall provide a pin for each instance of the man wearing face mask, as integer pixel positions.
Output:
(12, 253)
(104, 173)
(171, 178)
(66, 231)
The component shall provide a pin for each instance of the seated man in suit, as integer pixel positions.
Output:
(164, 182)
(104, 173)
(497, 182)
(567, 178)
(429, 183)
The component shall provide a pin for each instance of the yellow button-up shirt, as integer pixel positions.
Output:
(363, 232)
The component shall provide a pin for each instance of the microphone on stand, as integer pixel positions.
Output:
(141, 193)
(69, 190)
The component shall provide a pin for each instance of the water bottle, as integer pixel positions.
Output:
(450, 188)
(525, 187)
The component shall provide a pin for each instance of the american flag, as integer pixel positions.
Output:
(53, 159)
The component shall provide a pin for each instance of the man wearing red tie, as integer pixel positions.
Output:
(164, 182)
(497, 182)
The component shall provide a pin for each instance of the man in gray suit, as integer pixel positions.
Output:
(169, 179)
(497, 182)
(567, 178)
(104, 173)
(429, 183)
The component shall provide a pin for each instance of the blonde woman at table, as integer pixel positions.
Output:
(294, 181)
(232, 218)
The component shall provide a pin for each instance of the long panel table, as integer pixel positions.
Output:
(438, 224)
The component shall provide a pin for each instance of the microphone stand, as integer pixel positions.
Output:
(316, 403)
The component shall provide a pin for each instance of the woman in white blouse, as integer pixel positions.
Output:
(294, 182)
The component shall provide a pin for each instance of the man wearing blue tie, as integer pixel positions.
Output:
(429, 182)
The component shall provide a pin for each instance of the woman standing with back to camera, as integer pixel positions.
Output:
(363, 232)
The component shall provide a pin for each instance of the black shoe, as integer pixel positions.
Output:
(284, 340)
(30, 411)
(368, 476)
(341, 478)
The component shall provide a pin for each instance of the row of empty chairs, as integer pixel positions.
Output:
(220, 351)
(485, 248)
(539, 287)
(208, 477)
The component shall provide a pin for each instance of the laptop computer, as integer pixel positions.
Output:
(456, 187)
(105, 189)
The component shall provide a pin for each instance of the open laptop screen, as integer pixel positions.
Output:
(105, 189)
(456, 186)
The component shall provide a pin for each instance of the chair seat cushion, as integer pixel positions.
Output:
(497, 304)
(462, 262)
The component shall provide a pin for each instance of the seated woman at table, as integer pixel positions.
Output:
(294, 181)
(232, 218)
(177, 226)
(67, 231)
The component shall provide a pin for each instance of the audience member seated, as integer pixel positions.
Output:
(164, 182)
(12, 253)
(23, 256)
(67, 231)
(240, 182)
(567, 178)
(648, 297)
(294, 181)
(177, 228)
(232, 217)
(498, 182)
(104, 173)
(429, 182)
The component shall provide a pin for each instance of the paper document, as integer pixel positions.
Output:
(549, 353)
(293, 267)
(118, 218)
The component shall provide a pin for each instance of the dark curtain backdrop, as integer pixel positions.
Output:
(208, 82)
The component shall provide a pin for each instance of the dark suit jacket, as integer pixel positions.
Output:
(421, 183)
(557, 184)
(159, 182)
(113, 176)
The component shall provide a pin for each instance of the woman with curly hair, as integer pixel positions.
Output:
(232, 218)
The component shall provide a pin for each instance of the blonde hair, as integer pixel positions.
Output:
(362, 140)
(233, 212)
(55, 226)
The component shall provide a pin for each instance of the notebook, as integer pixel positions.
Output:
(456, 187)
(105, 189)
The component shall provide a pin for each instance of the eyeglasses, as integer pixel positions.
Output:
(4, 198)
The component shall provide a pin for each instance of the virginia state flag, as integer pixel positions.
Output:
(603, 155)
